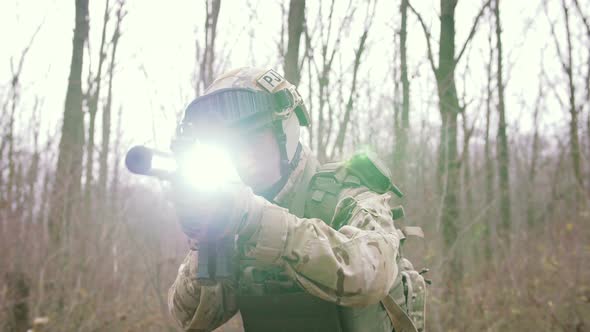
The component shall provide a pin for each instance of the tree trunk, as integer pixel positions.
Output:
(18, 290)
(534, 156)
(93, 96)
(466, 167)
(503, 154)
(3, 200)
(323, 78)
(10, 188)
(106, 112)
(489, 160)
(90, 151)
(33, 170)
(586, 23)
(402, 131)
(574, 139)
(207, 59)
(309, 56)
(295, 28)
(117, 148)
(66, 188)
(339, 144)
(449, 108)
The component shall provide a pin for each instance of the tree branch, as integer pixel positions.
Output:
(556, 40)
(427, 36)
(339, 144)
(472, 31)
(584, 18)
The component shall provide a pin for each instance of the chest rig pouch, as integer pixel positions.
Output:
(270, 301)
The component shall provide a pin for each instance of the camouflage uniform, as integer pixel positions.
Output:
(346, 254)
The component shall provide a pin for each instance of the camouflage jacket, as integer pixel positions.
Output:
(352, 264)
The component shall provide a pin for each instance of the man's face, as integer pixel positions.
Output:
(257, 160)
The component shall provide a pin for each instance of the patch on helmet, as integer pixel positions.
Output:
(270, 80)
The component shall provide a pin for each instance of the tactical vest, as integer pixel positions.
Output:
(269, 301)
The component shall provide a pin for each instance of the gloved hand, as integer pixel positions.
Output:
(213, 215)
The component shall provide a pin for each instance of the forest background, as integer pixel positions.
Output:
(480, 108)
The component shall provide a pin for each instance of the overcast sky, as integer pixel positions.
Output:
(156, 54)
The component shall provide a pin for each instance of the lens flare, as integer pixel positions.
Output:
(208, 167)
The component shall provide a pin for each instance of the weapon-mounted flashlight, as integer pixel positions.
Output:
(202, 166)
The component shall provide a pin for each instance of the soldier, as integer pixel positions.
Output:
(316, 247)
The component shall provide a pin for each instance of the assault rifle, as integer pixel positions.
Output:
(203, 168)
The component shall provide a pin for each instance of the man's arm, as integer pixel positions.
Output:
(196, 307)
(352, 266)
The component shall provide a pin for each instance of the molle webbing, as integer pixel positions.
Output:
(325, 189)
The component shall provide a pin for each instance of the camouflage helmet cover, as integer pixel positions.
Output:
(265, 81)
(248, 99)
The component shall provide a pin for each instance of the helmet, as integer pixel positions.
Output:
(243, 101)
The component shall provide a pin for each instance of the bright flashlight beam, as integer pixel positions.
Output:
(164, 163)
(208, 167)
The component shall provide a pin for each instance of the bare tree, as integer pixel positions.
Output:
(323, 72)
(17, 284)
(93, 96)
(489, 160)
(33, 169)
(106, 112)
(339, 144)
(401, 141)
(448, 163)
(465, 161)
(8, 139)
(117, 163)
(502, 147)
(532, 173)
(586, 22)
(308, 57)
(206, 54)
(66, 187)
(567, 67)
(295, 28)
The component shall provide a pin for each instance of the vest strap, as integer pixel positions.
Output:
(413, 231)
(399, 318)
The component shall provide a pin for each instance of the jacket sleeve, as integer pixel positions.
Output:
(354, 265)
(197, 307)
